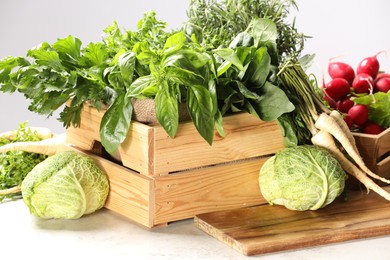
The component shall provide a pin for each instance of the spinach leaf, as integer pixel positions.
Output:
(229, 55)
(258, 69)
(263, 30)
(272, 103)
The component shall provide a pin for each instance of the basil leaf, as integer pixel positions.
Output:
(174, 42)
(167, 111)
(183, 76)
(120, 76)
(116, 123)
(126, 65)
(186, 59)
(145, 85)
(201, 109)
(223, 67)
(219, 123)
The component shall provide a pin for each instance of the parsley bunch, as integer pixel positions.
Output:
(15, 165)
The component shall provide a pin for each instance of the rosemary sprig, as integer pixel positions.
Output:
(218, 22)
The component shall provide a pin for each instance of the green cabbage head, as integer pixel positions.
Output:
(66, 185)
(302, 178)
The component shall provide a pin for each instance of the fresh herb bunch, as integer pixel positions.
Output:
(15, 165)
(217, 22)
(52, 74)
(152, 62)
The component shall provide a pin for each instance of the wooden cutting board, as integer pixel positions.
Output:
(265, 229)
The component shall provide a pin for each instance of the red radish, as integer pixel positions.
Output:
(330, 101)
(344, 105)
(383, 84)
(372, 128)
(337, 89)
(363, 83)
(348, 121)
(341, 70)
(382, 75)
(358, 114)
(369, 65)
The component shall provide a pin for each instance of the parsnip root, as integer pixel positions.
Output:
(324, 139)
(331, 125)
(49, 146)
(12, 190)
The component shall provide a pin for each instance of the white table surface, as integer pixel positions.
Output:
(106, 235)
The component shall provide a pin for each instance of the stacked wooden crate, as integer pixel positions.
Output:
(155, 179)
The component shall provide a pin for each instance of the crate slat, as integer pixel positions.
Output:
(189, 193)
(155, 179)
(375, 151)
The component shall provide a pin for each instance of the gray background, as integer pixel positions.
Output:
(350, 29)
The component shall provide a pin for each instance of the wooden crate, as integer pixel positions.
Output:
(160, 179)
(375, 150)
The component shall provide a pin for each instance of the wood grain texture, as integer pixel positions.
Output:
(130, 193)
(265, 229)
(375, 151)
(149, 150)
(228, 186)
(245, 137)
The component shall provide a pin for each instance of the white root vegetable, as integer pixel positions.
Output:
(340, 121)
(324, 139)
(12, 190)
(329, 124)
(325, 126)
(49, 146)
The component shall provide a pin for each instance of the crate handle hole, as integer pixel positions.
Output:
(99, 150)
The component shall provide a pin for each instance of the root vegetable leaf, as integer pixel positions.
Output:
(378, 107)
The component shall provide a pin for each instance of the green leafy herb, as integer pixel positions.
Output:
(216, 23)
(15, 165)
(234, 73)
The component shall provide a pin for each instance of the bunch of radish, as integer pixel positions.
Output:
(345, 84)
